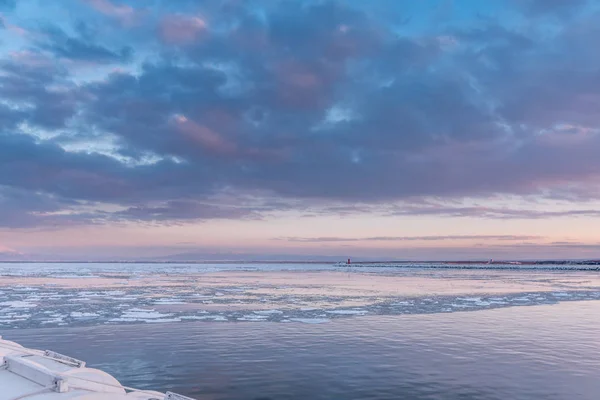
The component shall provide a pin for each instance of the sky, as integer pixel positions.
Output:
(385, 129)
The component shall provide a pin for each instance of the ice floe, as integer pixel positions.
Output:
(77, 314)
(348, 312)
(18, 304)
(268, 312)
(253, 318)
(169, 302)
(140, 314)
(310, 320)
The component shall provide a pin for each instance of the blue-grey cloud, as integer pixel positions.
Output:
(491, 212)
(81, 47)
(307, 103)
(176, 211)
(31, 89)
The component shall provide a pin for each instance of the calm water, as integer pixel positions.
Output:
(535, 352)
(294, 331)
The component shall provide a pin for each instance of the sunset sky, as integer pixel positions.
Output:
(430, 129)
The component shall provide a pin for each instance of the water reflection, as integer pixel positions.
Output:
(541, 352)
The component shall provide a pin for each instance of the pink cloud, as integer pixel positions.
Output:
(12, 27)
(31, 59)
(303, 85)
(204, 136)
(5, 249)
(212, 141)
(180, 29)
(125, 14)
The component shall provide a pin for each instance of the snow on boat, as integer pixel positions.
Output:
(45, 375)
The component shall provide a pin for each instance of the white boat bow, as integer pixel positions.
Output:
(45, 375)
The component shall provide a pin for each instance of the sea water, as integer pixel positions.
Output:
(314, 331)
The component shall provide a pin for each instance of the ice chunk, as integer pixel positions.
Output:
(253, 318)
(77, 314)
(139, 314)
(347, 312)
(164, 302)
(18, 304)
(268, 312)
(310, 320)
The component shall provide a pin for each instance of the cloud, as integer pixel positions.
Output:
(24, 209)
(34, 89)
(56, 41)
(124, 13)
(182, 29)
(12, 28)
(492, 212)
(8, 253)
(412, 238)
(184, 210)
(202, 136)
(314, 105)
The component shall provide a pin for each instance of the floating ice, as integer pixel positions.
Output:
(91, 294)
(473, 299)
(476, 301)
(347, 312)
(268, 312)
(211, 318)
(403, 303)
(114, 293)
(12, 317)
(140, 314)
(253, 318)
(310, 320)
(77, 314)
(24, 288)
(461, 305)
(18, 304)
(158, 321)
(56, 319)
(165, 302)
(192, 317)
